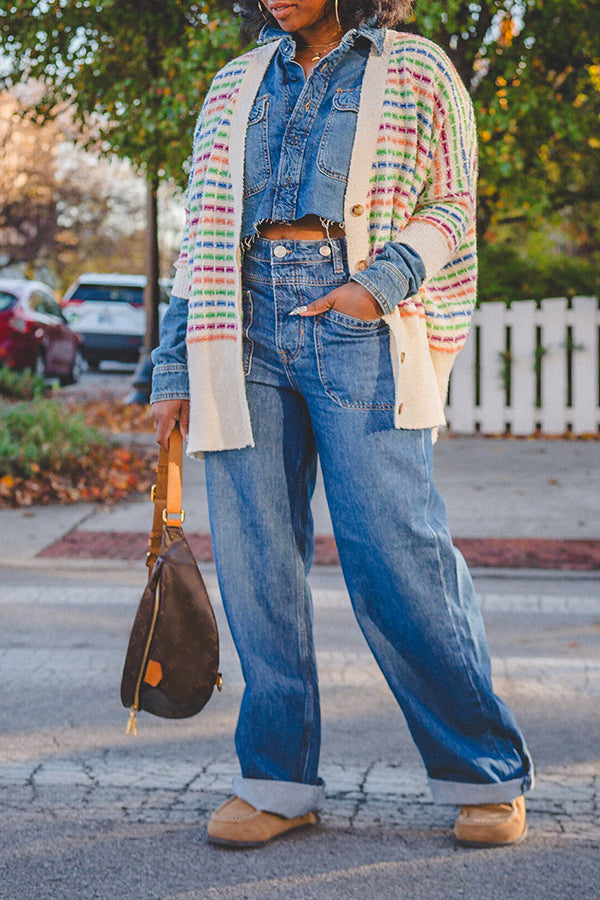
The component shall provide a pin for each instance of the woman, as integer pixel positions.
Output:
(325, 285)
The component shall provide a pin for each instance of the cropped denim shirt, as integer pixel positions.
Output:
(298, 146)
(301, 130)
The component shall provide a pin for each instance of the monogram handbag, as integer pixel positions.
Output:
(172, 661)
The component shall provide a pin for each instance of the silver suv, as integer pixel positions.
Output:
(108, 312)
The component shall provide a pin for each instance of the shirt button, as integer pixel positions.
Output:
(361, 265)
(402, 357)
(357, 209)
(325, 250)
(307, 104)
(400, 408)
(279, 251)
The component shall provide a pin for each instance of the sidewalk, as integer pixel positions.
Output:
(88, 812)
(511, 503)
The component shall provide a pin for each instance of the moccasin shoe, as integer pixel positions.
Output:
(237, 824)
(491, 824)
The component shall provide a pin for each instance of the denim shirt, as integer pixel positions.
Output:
(301, 130)
(288, 174)
(298, 146)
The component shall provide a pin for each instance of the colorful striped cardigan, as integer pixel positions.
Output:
(412, 178)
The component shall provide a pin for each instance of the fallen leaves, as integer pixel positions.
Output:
(105, 473)
(114, 416)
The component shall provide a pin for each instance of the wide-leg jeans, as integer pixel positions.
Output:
(324, 386)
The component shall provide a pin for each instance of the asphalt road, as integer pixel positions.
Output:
(87, 812)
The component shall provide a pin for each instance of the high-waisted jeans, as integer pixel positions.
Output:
(324, 386)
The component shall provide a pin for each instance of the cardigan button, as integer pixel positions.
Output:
(400, 409)
(362, 264)
(357, 209)
(402, 356)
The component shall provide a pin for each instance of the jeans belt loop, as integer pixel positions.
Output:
(336, 256)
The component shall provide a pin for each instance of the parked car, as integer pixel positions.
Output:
(34, 333)
(108, 312)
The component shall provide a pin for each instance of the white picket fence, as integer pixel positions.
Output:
(529, 367)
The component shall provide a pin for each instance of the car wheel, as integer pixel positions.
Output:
(76, 370)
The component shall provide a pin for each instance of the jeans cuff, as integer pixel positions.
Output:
(283, 798)
(465, 794)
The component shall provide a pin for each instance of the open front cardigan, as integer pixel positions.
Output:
(412, 179)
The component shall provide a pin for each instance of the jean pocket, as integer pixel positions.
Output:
(257, 169)
(355, 366)
(247, 342)
(335, 148)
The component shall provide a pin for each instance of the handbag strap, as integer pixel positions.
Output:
(166, 494)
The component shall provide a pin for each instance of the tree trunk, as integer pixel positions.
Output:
(142, 378)
(152, 295)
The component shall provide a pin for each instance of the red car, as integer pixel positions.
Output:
(34, 333)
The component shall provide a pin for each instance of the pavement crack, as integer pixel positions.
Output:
(181, 792)
(93, 785)
(31, 783)
(362, 799)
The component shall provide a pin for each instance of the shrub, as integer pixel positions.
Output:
(506, 275)
(21, 385)
(41, 436)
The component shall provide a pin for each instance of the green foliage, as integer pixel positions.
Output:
(134, 72)
(21, 385)
(41, 436)
(504, 274)
(532, 69)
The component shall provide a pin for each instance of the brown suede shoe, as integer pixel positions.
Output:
(491, 824)
(237, 824)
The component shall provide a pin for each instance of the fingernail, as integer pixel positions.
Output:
(298, 311)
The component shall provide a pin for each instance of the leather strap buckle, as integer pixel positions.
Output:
(178, 515)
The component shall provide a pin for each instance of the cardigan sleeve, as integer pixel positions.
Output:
(181, 284)
(446, 207)
(170, 377)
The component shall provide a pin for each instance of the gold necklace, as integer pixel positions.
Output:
(319, 50)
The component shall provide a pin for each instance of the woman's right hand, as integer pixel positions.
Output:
(165, 413)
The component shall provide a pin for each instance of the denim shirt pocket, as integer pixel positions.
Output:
(257, 169)
(335, 148)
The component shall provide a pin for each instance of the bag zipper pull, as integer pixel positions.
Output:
(132, 724)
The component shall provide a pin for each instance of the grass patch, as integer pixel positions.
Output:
(21, 385)
(39, 435)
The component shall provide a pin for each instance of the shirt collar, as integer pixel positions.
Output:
(373, 33)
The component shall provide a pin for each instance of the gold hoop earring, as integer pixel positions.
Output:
(262, 11)
(337, 15)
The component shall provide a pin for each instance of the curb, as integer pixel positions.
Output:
(480, 553)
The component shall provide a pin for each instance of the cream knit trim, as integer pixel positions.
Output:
(442, 365)
(219, 415)
(181, 282)
(363, 153)
(429, 242)
(418, 400)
